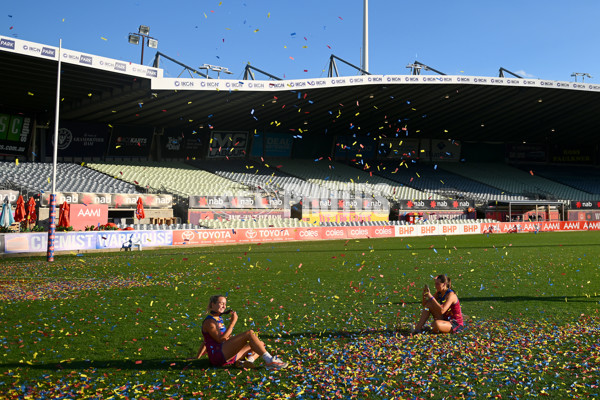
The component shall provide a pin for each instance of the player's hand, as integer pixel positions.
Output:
(234, 317)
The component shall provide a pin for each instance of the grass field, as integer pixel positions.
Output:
(122, 325)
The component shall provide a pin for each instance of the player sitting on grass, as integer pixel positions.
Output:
(223, 349)
(444, 307)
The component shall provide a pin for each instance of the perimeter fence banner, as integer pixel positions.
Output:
(197, 216)
(515, 227)
(11, 195)
(585, 205)
(113, 200)
(76, 241)
(226, 202)
(408, 205)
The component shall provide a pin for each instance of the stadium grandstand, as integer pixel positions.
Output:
(275, 153)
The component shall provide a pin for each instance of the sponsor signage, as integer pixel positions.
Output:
(585, 205)
(74, 57)
(113, 200)
(225, 202)
(438, 150)
(398, 148)
(584, 215)
(519, 227)
(116, 239)
(12, 196)
(82, 216)
(77, 139)
(197, 216)
(228, 145)
(178, 143)
(162, 83)
(130, 141)
(311, 204)
(354, 148)
(75, 241)
(526, 152)
(345, 216)
(572, 155)
(15, 133)
(272, 145)
(435, 204)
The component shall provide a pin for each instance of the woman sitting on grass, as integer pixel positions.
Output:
(444, 307)
(223, 349)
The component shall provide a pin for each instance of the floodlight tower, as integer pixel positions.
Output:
(143, 31)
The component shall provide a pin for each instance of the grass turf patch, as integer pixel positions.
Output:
(123, 325)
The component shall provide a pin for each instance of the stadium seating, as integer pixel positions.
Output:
(36, 177)
(173, 177)
(580, 177)
(337, 177)
(514, 181)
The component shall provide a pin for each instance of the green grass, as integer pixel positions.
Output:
(123, 324)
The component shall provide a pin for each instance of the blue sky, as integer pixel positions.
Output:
(546, 39)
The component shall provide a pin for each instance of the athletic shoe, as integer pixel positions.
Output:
(276, 363)
(244, 364)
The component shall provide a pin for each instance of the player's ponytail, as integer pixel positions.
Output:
(445, 279)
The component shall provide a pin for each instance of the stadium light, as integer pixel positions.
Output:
(142, 35)
(215, 68)
(583, 75)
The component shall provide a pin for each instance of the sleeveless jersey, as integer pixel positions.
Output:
(454, 312)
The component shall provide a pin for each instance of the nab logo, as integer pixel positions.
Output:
(251, 234)
(187, 235)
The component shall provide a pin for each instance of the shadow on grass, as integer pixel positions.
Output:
(513, 299)
(181, 364)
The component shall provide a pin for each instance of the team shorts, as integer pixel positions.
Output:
(216, 356)
(456, 328)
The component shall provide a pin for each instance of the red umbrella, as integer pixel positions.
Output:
(20, 211)
(139, 212)
(64, 218)
(31, 215)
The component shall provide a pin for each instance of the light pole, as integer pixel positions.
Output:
(143, 31)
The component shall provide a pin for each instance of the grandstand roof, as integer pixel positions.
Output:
(459, 110)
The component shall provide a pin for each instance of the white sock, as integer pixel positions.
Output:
(267, 357)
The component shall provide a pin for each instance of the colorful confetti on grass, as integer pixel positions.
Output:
(531, 310)
(497, 359)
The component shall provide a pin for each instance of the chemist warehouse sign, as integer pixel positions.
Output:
(38, 242)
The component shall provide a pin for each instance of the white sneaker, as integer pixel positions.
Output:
(276, 363)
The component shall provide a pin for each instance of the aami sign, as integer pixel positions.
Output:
(85, 215)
